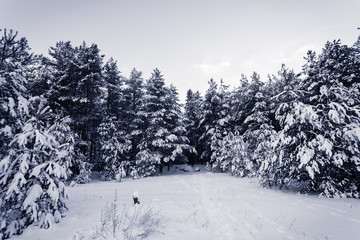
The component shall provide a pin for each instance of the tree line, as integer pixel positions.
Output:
(70, 113)
(300, 131)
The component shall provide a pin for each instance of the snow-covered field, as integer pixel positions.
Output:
(210, 206)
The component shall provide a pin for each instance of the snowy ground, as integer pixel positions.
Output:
(211, 206)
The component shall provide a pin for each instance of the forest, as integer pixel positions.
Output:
(70, 113)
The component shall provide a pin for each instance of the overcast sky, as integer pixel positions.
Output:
(190, 41)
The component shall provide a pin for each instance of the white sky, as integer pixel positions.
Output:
(190, 41)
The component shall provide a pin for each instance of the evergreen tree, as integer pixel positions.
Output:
(292, 117)
(238, 111)
(64, 79)
(316, 147)
(177, 143)
(114, 149)
(76, 90)
(210, 107)
(31, 175)
(332, 80)
(73, 160)
(115, 139)
(132, 107)
(258, 117)
(113, 82)
(222, 118)
(192, 120)
(233, 156)
(164, 137)
(15, 64)
(152, 148)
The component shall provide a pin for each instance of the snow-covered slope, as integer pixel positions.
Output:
(210, 206)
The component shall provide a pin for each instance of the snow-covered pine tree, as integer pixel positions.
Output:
(63, 82)
(73, 160)
(331, 160)
(211, 107)
(233, 156)
(15, 62)
(192, 120)
(176, 143)
(133, 119)
(238, 111)
(88, 109)
(113, 83)
(222, 118)
(257, 123)
(160, 144)
(292, 117)
(114, 149)
(31, 175)
(115, 140)
(76, 90)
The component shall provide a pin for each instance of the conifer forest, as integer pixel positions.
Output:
(71, 113)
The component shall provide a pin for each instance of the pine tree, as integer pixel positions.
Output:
(64, 79)
(316, 148)
(114, 149)
(164, 136)
(15, 64)
(113, 82)
(332, 80)
(233, 156)
(76, 90)
(222, 119)
(210, 107)
(237, 101)
(192, 120)
(132, 107)
(293, 119)
(153, 146)
(115, 142)
(73, 160)
(177, 143)
(31, 175)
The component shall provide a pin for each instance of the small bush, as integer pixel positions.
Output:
(130, 223)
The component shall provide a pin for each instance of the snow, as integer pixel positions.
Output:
(7, 131)
(205, 205)
(18, 181)
(12, 107)
(23, 105)
(34, 193)
(305, 155)
(324, 145)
